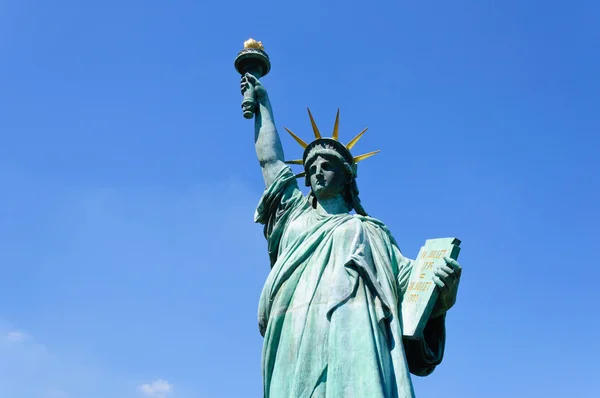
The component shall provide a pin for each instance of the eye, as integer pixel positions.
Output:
(326, 166)
(312, 170)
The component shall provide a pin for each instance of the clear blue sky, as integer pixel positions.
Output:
(128, 252)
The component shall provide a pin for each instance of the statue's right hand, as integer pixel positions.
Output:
(251, 82)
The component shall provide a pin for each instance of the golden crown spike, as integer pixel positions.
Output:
(334, 136)
(298, 139)
(314, 125)
(336, 126)
(355, 139)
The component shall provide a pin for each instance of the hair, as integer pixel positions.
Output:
(350, 192)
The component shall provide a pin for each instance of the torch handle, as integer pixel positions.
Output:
(249, 103)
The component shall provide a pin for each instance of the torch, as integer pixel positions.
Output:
(254, 60)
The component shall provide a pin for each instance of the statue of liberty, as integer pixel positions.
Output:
(330, 309)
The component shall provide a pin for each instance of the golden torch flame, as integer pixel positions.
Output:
(251, 43)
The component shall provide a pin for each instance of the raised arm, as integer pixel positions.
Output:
(266, 139)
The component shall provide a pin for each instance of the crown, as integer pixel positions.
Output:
(332, 143)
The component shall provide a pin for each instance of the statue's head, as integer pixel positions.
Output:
(326, 176)
(329, 167)
(331, 171)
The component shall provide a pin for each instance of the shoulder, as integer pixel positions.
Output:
(280, 204)
(375, 227)
(371, 223)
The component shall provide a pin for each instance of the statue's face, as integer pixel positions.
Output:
(327, 177)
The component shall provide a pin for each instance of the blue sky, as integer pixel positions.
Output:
(129, 262)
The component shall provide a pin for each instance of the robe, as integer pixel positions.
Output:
(330, 309)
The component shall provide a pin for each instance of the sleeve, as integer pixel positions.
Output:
(276, 206)
(404, 269)
(425, 354)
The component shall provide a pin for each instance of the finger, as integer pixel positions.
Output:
(244, 86)
(441, 273)
(439, 283)
(452, 263)
(446, 269)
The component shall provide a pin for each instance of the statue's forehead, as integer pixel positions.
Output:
(325, 155)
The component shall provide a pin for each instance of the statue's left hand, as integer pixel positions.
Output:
(447, 278)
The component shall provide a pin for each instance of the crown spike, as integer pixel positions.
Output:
(295, 161)
(364, 156)
(298, 139)
(336, 126)
(314, 125)
(355, 139)
(300, 175)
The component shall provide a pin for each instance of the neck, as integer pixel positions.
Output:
(334, 205)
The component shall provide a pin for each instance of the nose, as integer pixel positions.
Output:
(319, 170)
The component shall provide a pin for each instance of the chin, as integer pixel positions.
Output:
(319, 191)
(322, 195)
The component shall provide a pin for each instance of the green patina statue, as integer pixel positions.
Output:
(331, 308)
